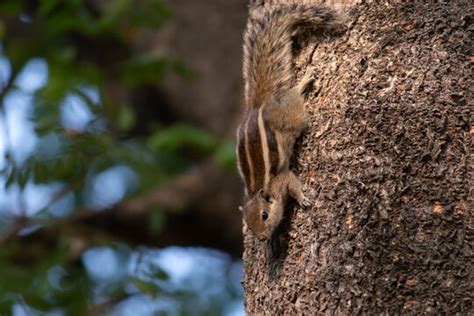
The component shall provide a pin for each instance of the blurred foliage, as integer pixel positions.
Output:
(87, 45)
(107, 280)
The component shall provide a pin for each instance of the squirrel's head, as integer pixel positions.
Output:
(263, 213)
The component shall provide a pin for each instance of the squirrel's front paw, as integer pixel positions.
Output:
(307, 80)
(310, 75)
(305, 202)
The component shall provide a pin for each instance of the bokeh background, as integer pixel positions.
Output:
(118, 189)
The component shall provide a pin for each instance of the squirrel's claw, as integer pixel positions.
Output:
(306, 203)
(307, 81)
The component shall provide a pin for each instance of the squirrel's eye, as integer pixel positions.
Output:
(264, 215)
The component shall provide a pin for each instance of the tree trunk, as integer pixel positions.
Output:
(386, 161)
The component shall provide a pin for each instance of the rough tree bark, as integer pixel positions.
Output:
(386, 161)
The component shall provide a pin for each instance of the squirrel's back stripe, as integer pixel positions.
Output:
(265, 148)
(259, 152)
(254, 153)
(242, 161)
(274, 152)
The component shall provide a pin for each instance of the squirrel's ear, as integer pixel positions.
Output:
(241, 208)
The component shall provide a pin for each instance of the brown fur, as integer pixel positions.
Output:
(275, 113)
(281, 187)
(267, 66)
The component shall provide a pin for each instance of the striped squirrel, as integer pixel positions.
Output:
(275, 114)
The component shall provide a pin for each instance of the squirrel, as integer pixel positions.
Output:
(275, 114)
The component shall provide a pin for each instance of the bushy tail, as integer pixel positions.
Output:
(267, 45)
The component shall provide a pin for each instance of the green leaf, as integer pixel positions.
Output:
(46, 7)
(40, 172)
(146, 69)
(183, 70)
(10, 7)
(23, 177)
(225, 156)
(11, 179)
(179, 136)
(157, 273)
(114, 12)
(125, 118)
(145, 287)
(151, 13)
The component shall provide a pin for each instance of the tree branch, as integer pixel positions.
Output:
(186, 190)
